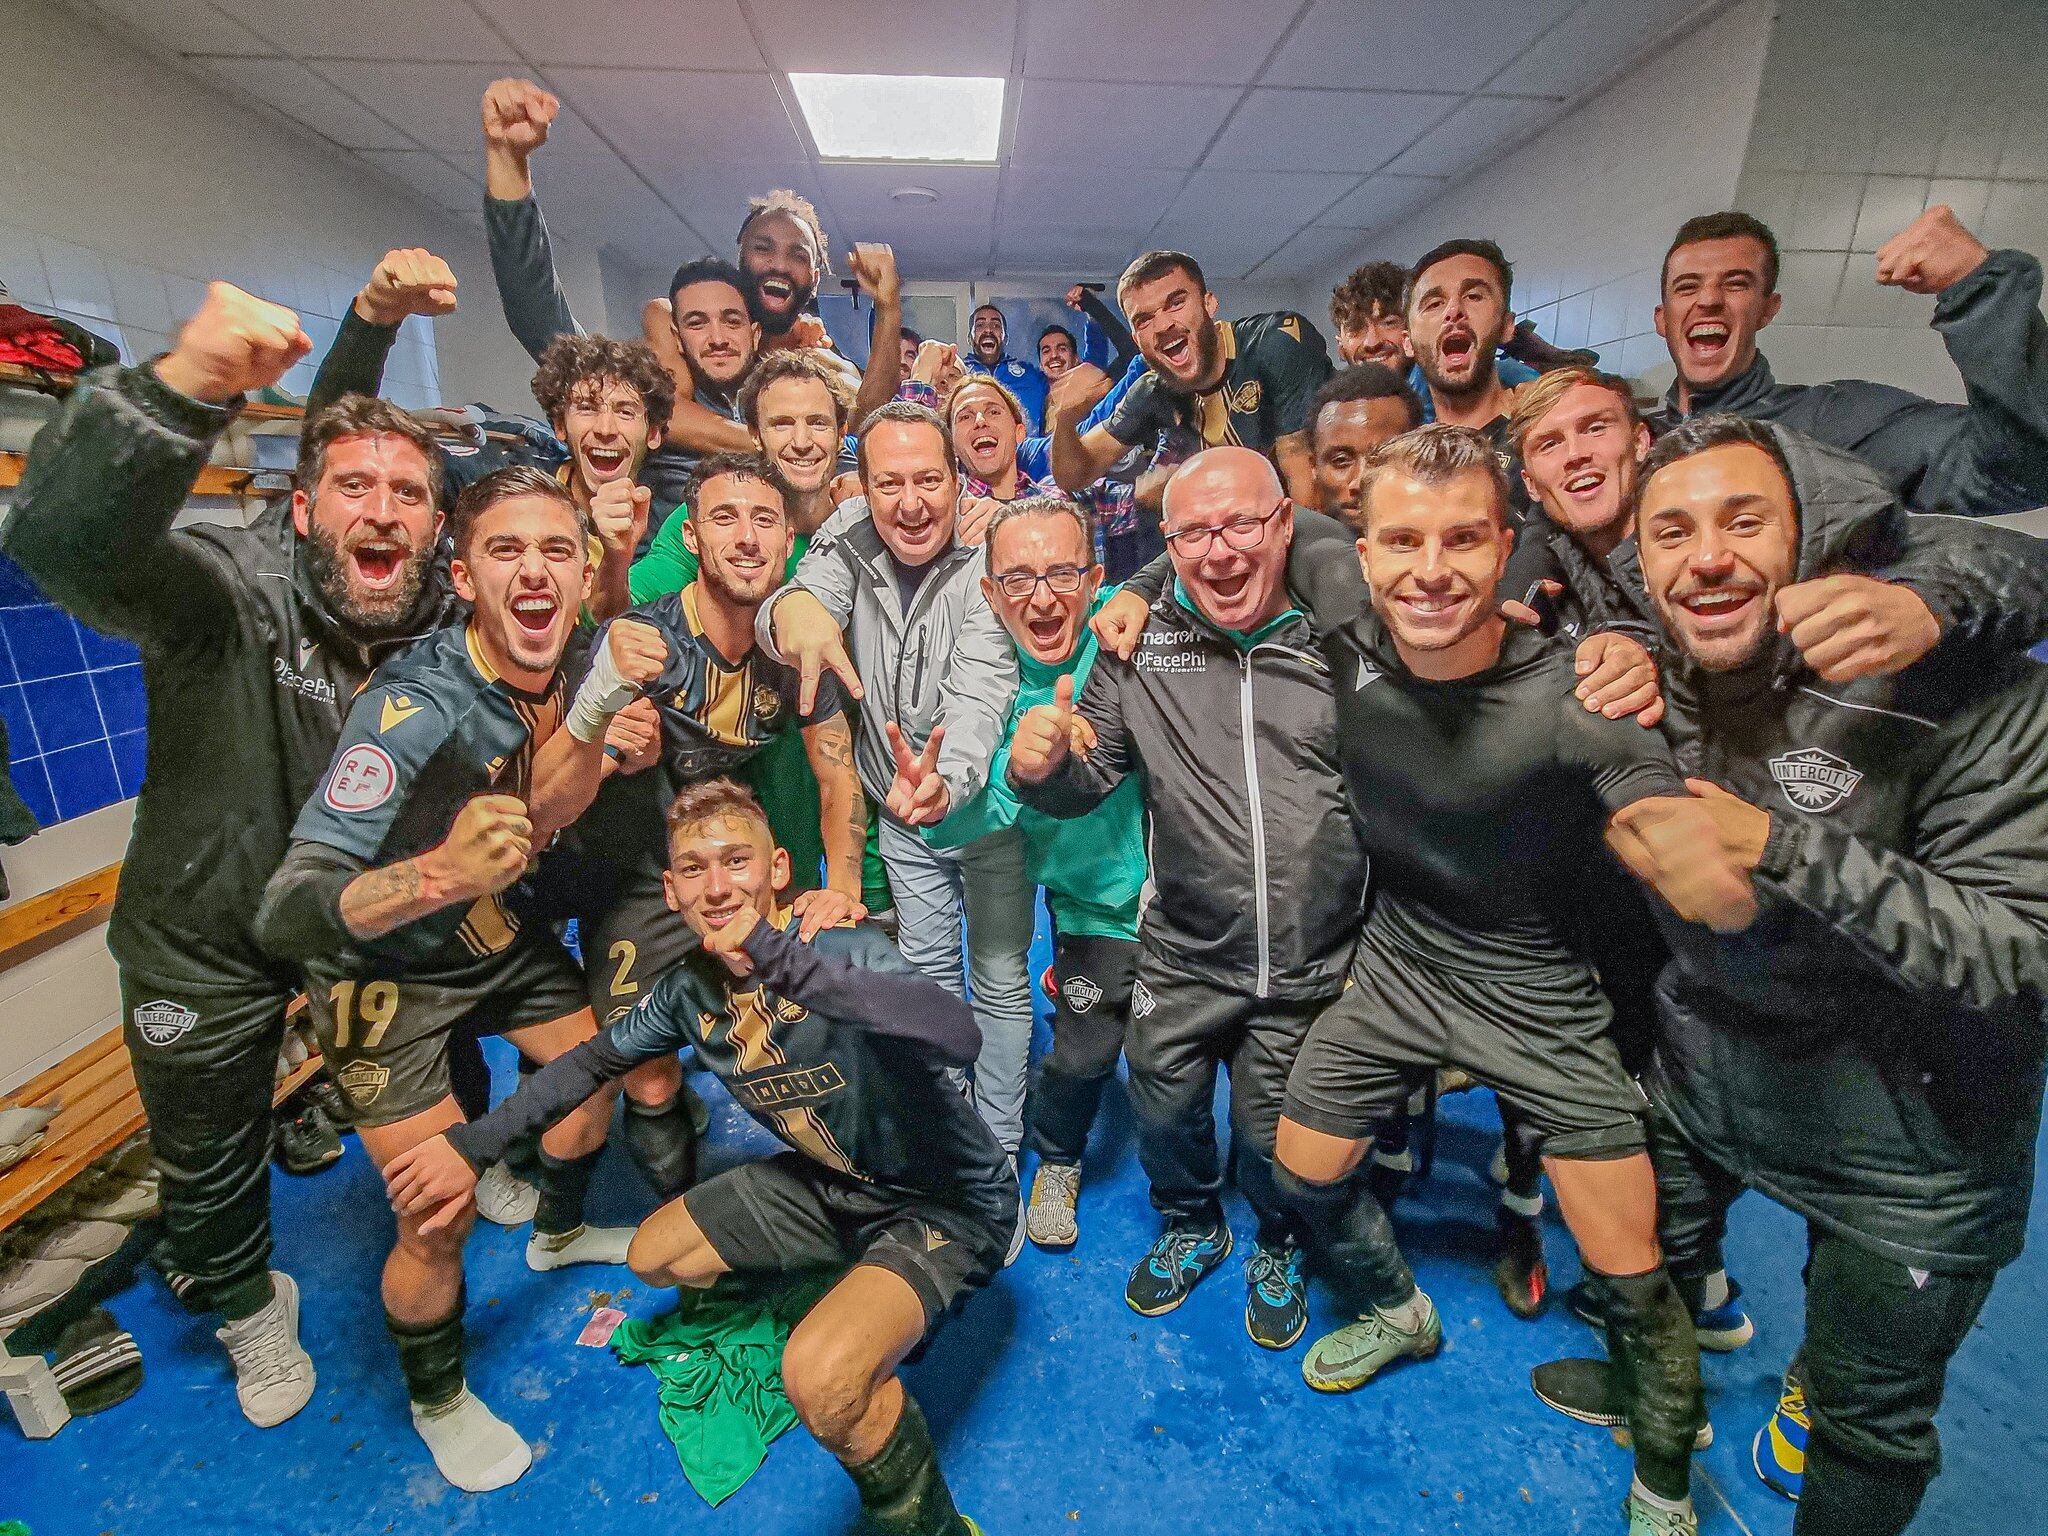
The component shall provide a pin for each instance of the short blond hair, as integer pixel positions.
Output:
(1538, 398)
(711, 801)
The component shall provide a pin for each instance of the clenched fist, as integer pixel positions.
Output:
(407, 282)
(485, 851)
(236, 345)
(639, 651)
(1931, 253)
(517, 116)
(1075, 392)
(874, 268)
(618, 516)
(725, 942)
(1849, 626)
(635, 734)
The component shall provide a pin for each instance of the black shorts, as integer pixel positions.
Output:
(1540, 1039)
(385, 1039)
(630, 943)
(787, 1213)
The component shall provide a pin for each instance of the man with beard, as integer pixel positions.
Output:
(1042, 583)
(252, 640)
(720, 703)
(1989, 456)
(1458, 317)
(887, 1180)
(1367, 311)
(1474, 775)
(1868, 1050)
(1057, 352)
(610, 402)
(888, 577)
(1354, 412)
(987, 331)
(457, 762)
(1224, 716)
(989, 434)
(1246, 381)
(781, 257)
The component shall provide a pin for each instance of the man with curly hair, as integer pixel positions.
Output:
(609, 401)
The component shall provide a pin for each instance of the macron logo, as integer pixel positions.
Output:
(1367, 673)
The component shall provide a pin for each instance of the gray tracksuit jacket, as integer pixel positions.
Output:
(945, 659)
(1986, 457)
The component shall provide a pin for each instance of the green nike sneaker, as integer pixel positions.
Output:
(1347, 1359)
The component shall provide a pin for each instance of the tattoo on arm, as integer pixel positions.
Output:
(379, 900)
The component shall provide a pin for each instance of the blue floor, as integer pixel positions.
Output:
(1057, 1409)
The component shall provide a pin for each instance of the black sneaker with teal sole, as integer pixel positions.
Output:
(1275, 1296)
(1176, 1264)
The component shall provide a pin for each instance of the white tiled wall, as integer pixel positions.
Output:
(1586, 210)
(126, 182)
(1870, 111)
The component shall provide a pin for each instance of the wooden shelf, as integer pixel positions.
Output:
(32, 925)
(214, 479)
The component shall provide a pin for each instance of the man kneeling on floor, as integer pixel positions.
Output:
(841, 1049)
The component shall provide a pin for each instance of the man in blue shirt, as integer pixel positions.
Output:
(986, 333)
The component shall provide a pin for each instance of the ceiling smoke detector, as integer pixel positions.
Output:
(914, 195)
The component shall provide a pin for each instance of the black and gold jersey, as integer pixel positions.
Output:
(1273, 365)
(433, 729)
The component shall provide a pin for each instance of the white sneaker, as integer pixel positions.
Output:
(505, 1198)
(584, 1245)
(273, 1375)
(473, 1448)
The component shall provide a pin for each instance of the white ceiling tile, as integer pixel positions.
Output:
(1594, 42)
(887, 37)
(1104, 195)
(1382, 200)
(669, 121)
(655, 239)
(1309, 254)
(1355, 131)
(186, 26)
(289, 87)
(429, 175)
(859, 195)
(714, 196)
(1414, 47)
(441, 105)
(1165, 127)
(1274, 203)
(1216, 42)
(1084, 251)
(640, 34)
(372, 29)
(1481, 127)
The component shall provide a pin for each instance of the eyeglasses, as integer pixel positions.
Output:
(1022, 586)
(1238, 533)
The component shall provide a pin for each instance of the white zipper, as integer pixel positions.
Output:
(1251, 779)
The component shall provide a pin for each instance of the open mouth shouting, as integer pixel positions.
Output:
(1047, 634)
(1707, 343)
(534, 614)
(1177, 351)
(603, 463)
(1457, 349)
(778, 293)
(917, 533)
(378, 563)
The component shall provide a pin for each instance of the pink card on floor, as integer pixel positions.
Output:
(602, 1324)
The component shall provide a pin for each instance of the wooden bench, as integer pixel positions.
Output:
(99, 1108)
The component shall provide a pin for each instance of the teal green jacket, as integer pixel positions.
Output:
(1094, 867)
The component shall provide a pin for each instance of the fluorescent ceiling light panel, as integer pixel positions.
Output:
(902, 117)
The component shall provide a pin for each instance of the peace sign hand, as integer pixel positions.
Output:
(919, 796)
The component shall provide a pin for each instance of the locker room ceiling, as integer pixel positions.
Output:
(1268, 137)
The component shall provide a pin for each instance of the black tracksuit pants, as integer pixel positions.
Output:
(1092, 980)
(1873, 1364)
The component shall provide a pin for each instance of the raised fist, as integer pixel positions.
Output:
(485, 850)
(618, 515)
(1075, 296)
(874, 268)
(517, 116)
(635, 734)
(236, 344)
(725, 942)
(935, 359)
(408, 282)
(639, 651)
(1075, 392)
(1931, 253)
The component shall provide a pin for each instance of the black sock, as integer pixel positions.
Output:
(563, 1182)
(430, 1355)
(663, 1145)
(902, 1492)
(1657, 1371)
(1845, 1496)
(1349, 1232)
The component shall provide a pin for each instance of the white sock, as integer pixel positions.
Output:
(1714, 1291)
(1657, 1500)
(581, 1245)
(1408, 1316)
(1523, 1205)
(474, 1448)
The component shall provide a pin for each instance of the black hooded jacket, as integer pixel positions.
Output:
(248, 673)
(1869, 1051)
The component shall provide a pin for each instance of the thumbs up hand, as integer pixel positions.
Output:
(1045, 735)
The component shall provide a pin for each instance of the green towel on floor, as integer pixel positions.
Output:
(718, 1358)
